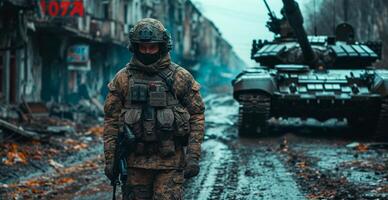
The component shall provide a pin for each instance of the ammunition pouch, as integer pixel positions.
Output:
(132, 117)
(149, 131)
(165, 119)
(155, 115)
(143, 123)
(182, 123)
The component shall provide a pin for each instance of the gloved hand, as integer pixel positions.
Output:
(191, 169)
(109, 170)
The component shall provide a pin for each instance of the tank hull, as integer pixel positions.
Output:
(359, 96)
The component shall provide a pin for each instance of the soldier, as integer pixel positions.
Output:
(159, 101)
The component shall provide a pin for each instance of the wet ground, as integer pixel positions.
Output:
(288, 166)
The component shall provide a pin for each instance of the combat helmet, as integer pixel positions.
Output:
(150, 30)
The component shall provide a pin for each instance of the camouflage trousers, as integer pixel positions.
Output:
(155, 184)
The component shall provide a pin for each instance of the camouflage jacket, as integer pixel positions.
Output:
(186, 90)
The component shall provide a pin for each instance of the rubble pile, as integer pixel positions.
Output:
(39, 121)
(41, 139)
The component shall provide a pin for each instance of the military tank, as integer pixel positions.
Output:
(319, 77)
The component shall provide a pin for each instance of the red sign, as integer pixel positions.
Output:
(63, 8)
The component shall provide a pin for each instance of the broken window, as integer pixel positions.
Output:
(105, 8)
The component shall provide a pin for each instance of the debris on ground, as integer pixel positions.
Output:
(55, 164)
(14, 155)
(38, 121)
(37, 139)
(70, 164)
(42, 187)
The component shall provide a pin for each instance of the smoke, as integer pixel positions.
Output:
(215, 78)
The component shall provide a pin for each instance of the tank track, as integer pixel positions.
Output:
(254, 112)
(382, 123)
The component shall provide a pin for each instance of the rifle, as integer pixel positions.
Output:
(124, 143)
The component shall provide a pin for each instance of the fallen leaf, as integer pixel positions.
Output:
(65, 180)
(96, 130)
(36, 191)
(80, 146)
(14, 156)
(33, 183)
(362, 148)
(70, 142)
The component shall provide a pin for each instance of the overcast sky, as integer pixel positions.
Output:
(241, 21)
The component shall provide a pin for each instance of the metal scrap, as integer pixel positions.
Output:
(19, 130)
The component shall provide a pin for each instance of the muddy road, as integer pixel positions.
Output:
(288, 166)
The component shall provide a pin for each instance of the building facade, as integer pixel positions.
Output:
(49, 55)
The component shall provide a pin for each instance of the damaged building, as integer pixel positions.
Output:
(67, 58)
(58, 62)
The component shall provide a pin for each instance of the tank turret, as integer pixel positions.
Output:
(293, 46)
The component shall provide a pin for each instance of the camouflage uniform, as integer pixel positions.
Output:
(153, 173)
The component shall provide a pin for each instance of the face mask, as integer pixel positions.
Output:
(147, 58)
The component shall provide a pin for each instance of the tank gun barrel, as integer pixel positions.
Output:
(295, 18)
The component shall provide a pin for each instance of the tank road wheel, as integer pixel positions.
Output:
(253, 115)
(382, 123)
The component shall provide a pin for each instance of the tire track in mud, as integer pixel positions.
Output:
(218, 178)
(201, 186)
(227, 177)
(263, 175)
(234, 170)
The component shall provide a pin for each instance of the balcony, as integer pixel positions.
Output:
(86, 27)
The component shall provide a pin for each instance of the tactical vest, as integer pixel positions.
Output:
(153, 112)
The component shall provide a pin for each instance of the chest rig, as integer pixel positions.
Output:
(153, 112)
